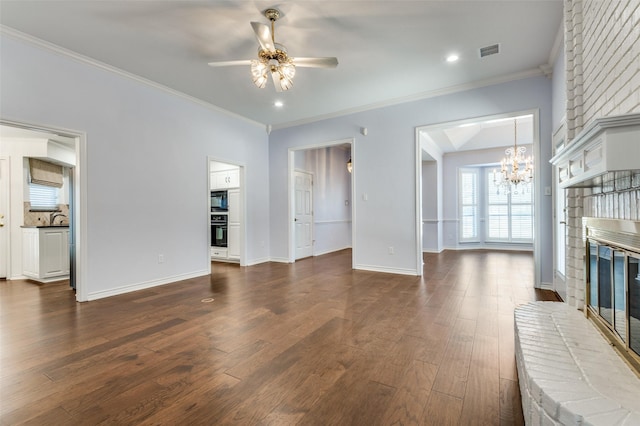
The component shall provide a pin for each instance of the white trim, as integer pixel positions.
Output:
(431, 221)
(557, 43)
(279, 260)
(419, 235)
(257, 261)
(8, 31)
(327, 222)
(432, 251)
(146, 284)
(388, 270)
(535, 72)
(330, 251)
(498, 247)
(547, 286)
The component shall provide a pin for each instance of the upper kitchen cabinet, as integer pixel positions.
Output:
(225, 179)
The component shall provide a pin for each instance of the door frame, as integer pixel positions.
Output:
(242, 169)
(79, 197)
(291, 192)
(537, 185)
(5, 213)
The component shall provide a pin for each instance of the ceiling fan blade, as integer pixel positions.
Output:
(230, 63)
(316, 62)
(263, 34)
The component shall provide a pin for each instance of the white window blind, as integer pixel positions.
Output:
(468, 191)
(43, 197)
(509, 216)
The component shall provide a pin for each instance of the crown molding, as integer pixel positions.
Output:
(54, 48)
(535, 72)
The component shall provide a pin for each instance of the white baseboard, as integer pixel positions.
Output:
(279, 259)
(331, 251)
(433, 251)
(547, 286)
(147, 284)
(400, 271)
(257, 261)
(493, 247)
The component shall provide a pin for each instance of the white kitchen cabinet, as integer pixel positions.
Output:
(225, 179)
(233, 241)
(219, 252)
(233, 226)
(45, 253)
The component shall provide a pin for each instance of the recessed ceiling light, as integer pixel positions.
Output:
(278, 104)
(453, 58)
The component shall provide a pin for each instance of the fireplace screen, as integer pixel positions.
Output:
(613, 279)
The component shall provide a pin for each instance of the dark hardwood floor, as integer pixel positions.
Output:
(310, 343)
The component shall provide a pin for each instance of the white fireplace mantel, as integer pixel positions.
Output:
(609, 144)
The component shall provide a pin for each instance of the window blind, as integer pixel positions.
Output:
(43, 197)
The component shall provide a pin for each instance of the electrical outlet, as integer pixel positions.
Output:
(161, 258)
(391, 251)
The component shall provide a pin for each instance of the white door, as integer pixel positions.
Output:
(303, 214)
(4, 209)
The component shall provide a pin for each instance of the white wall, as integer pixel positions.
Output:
(559, 90)
(146, 166)
(331, 196)
(384, 168)
(431, 219)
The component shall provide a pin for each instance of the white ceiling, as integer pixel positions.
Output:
(388, 51)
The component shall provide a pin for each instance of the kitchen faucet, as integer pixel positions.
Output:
(53, 217)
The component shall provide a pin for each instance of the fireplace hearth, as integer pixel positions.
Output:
(613, 282)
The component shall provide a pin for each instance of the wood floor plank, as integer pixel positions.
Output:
(482, 395)
(407, 405)
(313, 342)
(454, 368)
(442, 410)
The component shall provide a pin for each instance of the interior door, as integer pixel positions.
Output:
(4, 209)
(303, 214)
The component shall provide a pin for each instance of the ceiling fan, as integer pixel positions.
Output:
(273, 58)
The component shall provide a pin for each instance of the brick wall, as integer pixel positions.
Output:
(602, 47)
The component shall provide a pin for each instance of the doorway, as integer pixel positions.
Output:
(226, 211)
(478, 143)
(71, 152)
(322, 223)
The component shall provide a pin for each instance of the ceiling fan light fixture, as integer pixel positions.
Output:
(259, 73)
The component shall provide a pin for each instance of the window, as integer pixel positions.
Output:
(468, 204)
(509, 216)
(43, 197)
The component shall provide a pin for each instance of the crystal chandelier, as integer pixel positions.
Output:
(516, 171)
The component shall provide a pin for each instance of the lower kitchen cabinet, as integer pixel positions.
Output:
(233, 244)
(45, 253)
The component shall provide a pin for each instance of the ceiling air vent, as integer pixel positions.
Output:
(489, 50)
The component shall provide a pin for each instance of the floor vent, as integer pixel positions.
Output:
(489, 50)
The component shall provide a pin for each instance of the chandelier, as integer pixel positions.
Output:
(516, 171)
